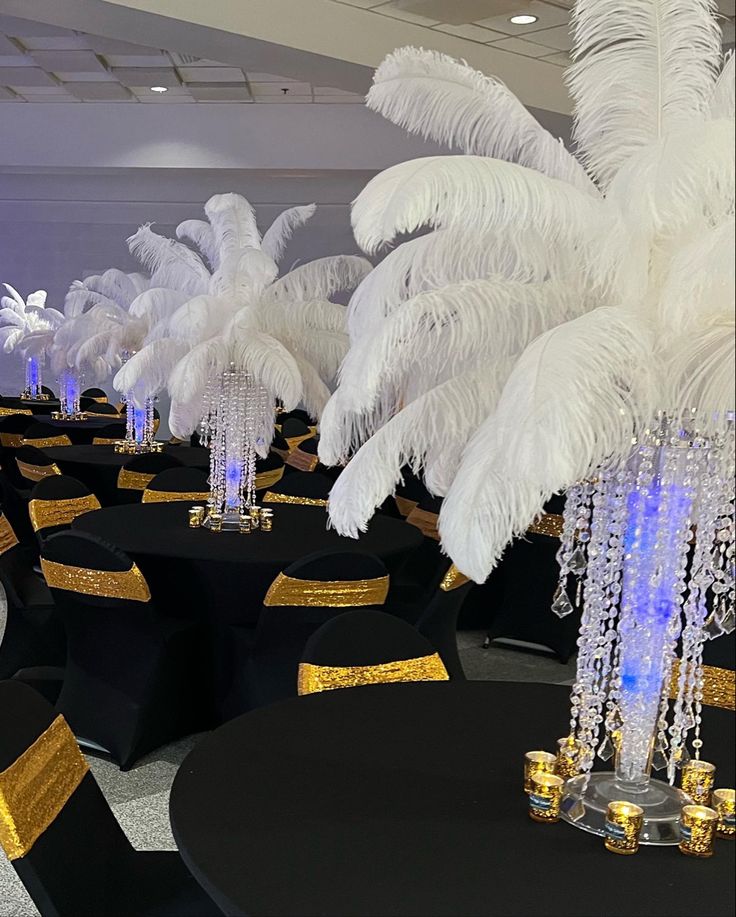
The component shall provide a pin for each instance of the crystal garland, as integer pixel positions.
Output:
(237, 413)
(139, 425)
(648, 548)
(70, 384)
(33, 378)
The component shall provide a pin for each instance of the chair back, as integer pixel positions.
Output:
(55, 503)
(366, 648)
(12, 565)
(138, 472)
(45, 390)
(13, 427)
(55, 825)
(15, 509)
(302, 487)
(303, 457)
(186, 484)
(438, 621)
(295, 431)
(719, 672)
(108, 435)
(296, 414)
(279, 446)
(96, 394)
(101, 409)
(34, 465)
(42, 435)
(269, 471)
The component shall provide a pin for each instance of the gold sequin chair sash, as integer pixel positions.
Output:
(302, 461)
(48, 513)
(48, 441)
(287, 590)
(547, 524)
(172, 496)
(105, 440)
(36, 786)
(8, 538)
(719, 686)
(294, 441)
(453, 579)
(110, 584)
(404, 505)
(6, 412)
(133, 480)
(425, 521)
(268, 478)
(271, 497)
(11, 440)
(313, 678)
(37, 472)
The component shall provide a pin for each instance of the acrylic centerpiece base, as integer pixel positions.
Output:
(228, 522)
(586, 807)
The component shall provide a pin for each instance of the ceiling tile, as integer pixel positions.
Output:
(548, 16)
(278, 100)
(212, 74)
(7, 95)
(559, 38)
(455, 12)
(140, 76)
(113, 46)
(21, 61)
(12, 25)
(519, 46)
(562, 59)
(45, 98)
(173, 92)
(269, 78)
(348, 98)
(388, 9)
(154, 59)
(363, 4)
(217, 92)
(72, 76)
(8, 47)
(99, 92)
(188, 60)
(69, 61)
(165, 98)
(275, 89)
(472, 32)
(69, 42)
(331, 91)
(24, 76)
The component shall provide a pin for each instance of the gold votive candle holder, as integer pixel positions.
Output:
(698, 778)
(266, 520)
(215, 520)
(246, 524)
(255, 516)
(567, 762)
(697, 829)
(545, 797)
(537, 762)
(723, 803)
(624, 821)
(196, 516)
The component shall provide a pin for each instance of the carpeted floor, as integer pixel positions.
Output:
(139, 798)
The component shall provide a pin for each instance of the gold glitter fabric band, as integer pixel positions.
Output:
(719, 686)
(133, 480)
(313, 678)
(453, 579)
(172, 496)
(302, 461)
(37, 472)
(48, 442)
(8, 537)
(294, 441)
(37, 786)
(47, 513)
(283, 453)
(269, 478)
(425, 521)
(6, 412)
(11, 440)
(349, 593)
(113, 417)
(105, 440)
(271, 497)
(101, 400)
(547, 524)
(404, 506)
(108, 584)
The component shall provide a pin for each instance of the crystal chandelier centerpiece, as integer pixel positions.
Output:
(33, 382)
(648, 548)
(140, 432)
(70, 384)
(237, 411)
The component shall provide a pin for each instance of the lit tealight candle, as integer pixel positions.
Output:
(567, 763)
(537, 762)
(697, 830)
(545, 797)
(698, 778)
(624, 821)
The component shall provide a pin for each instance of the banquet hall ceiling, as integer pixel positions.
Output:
(43, 63)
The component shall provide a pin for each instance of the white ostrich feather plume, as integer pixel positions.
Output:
(282, 229)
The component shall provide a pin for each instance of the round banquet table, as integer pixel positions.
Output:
(81, 432)
(32, 405)
(407, 799)
(98, 466)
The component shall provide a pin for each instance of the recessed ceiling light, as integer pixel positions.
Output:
(525, 19)
(159, 89)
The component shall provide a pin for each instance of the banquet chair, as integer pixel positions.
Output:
(109, 435)
(301, 487)
(177, 484)
(303, 457)
(15, 507)
(45, 390)
(307, 593)
(366, 648)
(34, 465)
(719, 672)
(96, 394)
(56, 502)
(296, 414)
(438, 621)
(12, 428)
(101, 409)
(295, 431)
(279, 446)
(33, 633)
(42, 435)
(269, 471)
(72, 855)
(138, 472)
(419, 577)
(128, 684)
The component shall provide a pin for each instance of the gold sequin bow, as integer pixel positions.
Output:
(313, 678)
(285, 590)
(271, 497)
(719, 686)
(109, 584)
(47, 513)
(37, 786)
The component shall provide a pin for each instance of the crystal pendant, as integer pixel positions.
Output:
(712, 627)
(561, 604)
(577, 563)
(659, 760)
(728, 621)
(605, 752)
(682, 756)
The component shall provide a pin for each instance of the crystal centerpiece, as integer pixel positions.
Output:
(648, 548)
(33, 384)
(238, 412)
(140, 433)
(70, 384)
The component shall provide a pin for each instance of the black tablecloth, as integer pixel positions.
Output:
(98, 466)
(80, 432)
(407, 800)
(32, 405)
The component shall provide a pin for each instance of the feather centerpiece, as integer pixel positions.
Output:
(583, 304)
(28, 326)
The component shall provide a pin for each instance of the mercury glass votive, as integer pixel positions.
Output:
(537, 762)
(698, 778)
(255, 516)
(246, 525)
(567, 762)
(266, 520)
(545, 797)
(624, 821)
(196, 516)
(215, 520)
(723, 803)
(697, 830)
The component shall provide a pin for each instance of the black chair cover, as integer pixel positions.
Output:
(43, 434)
(137, 473)
(130, 683)
(366, 647)
(97, 394)
(112, 433)
(15, 507)
(438, 621)
(56, 502)
(34, 465)
(100, 408)
(81, 864)
(177, 484)
(301, 486)
(45, 390)
(12, 428)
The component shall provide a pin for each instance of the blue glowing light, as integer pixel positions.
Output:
(139, 424)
